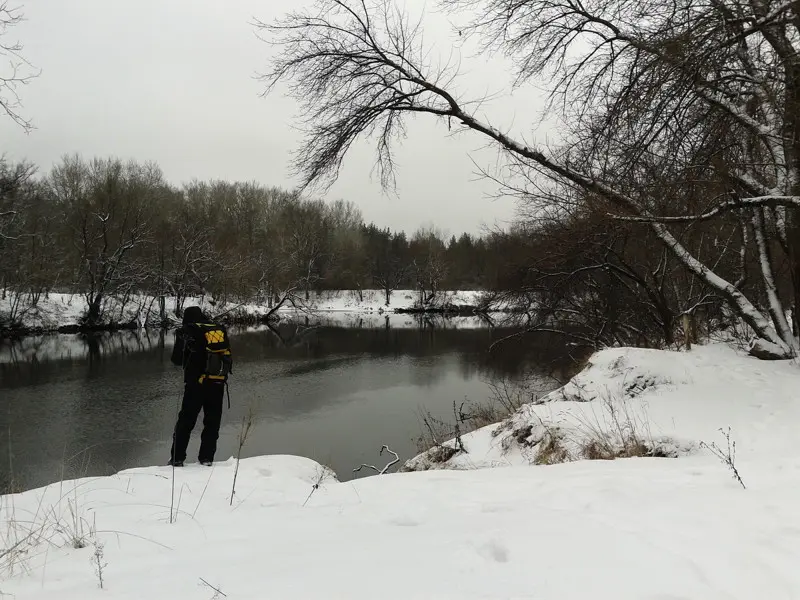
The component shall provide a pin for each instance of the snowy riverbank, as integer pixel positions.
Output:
(64, 311)
(625, 529)
(668, 401)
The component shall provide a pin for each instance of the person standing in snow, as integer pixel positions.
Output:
(202, 349)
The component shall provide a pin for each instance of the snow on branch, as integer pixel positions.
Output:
(17, 71)
(388, 465)
(755, 202)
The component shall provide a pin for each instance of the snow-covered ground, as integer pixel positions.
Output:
(639, 528)
(58, 310)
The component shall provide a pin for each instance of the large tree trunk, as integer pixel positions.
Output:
(95, 307)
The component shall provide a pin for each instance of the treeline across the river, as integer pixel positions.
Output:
(107, 228)
(111, 231)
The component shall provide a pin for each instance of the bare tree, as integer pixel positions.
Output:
(305, 242)
(108, 207)
(20, 242)
(12, 179)
(654, 87)
(428, 263)
(388, 260)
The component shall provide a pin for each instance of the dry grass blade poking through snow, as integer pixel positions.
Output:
(53, 524)
(172, 512)
(505, 399)
(436, 432)
(98, 563)
(322, 473)
(727, 456)
(247, 424)
(622, 434)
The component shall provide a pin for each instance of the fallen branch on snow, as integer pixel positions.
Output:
(217, 592)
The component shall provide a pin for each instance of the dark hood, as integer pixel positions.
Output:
(193, 314)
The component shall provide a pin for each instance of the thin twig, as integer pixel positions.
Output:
(216, 589)
(728, 456)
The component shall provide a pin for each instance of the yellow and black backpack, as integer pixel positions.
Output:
(212, 339)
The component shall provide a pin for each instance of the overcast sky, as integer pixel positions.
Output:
(174, 81)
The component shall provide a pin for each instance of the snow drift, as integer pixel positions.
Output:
(640, 528)
(670, 402)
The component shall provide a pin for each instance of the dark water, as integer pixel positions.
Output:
(73, 405)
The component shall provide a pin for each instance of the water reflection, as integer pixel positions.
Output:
(96, 404)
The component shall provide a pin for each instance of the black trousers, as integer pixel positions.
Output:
(198, 396)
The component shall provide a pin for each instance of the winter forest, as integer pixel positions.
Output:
(675, 193)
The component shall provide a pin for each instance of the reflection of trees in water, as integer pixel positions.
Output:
(78, 346)
(38, 357)
(321, 342)
(512, 354)
(43, 358)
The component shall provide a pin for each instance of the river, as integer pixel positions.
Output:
(78, 405)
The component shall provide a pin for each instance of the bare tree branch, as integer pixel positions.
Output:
(666, 94)
(18, 73)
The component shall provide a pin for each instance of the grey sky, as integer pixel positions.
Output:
(174, 81)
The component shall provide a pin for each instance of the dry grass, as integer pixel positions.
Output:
(621, 432)
(551, 450)
(603, 449)
(9, 485)
(504, 400)
(25, 533)
(433, 432)
(64, 523)
(617, 431)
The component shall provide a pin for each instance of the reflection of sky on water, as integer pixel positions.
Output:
(102, 403)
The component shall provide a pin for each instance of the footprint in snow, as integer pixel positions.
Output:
(494, 551)
(493, 508)
(404, 521)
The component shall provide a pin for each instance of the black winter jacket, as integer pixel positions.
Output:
(193, 363)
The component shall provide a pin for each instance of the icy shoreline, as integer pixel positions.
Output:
(623, 529)
(62, 313)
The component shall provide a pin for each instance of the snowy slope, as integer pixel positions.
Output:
(674, 400)
(641, 528)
